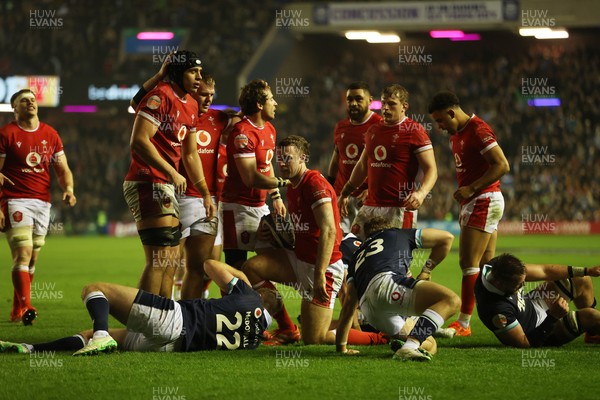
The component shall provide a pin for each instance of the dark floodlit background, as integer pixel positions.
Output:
(91, 47)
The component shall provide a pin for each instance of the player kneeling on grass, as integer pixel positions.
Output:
(380, 282)
(540, 317)
(314, 267)
(155, 323)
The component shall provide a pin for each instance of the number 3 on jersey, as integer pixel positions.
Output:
(374, 247)
(222, 340)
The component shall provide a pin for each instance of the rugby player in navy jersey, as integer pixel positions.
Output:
(380, 282)
(540, 317)
(155, 323)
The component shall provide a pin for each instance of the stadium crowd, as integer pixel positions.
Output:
(563, 185)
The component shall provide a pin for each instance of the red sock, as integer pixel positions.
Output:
(356, 337)
(467, 293)
(16, 308)
(22, 285)
(282, 317)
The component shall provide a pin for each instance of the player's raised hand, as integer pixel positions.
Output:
(162, 72)
(69, 198)
(4, 178)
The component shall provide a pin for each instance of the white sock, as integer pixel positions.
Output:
(411, 344)
(100, 334)
(464, 320)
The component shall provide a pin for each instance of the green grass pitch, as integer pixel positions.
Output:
(465, 368)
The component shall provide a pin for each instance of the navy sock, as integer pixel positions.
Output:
(426, 325)
(69, 343)
(98, 307)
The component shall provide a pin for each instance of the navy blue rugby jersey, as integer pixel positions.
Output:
(236, 321)
(500, 312)
(389, 250)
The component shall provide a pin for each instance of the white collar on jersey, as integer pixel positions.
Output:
(487, 269)
(363, 122)
(268, 318)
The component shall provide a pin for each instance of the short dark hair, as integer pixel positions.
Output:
(360, 85)
(254, 92)
(506, 267)
(20, 92)
(298, 141)
(396, 90)
(443, 100)
(376, 224)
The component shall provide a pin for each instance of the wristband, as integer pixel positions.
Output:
(139, 96)
(199, 180)
(276, 197)
(282, 182)
(275, 193)
(576, 271)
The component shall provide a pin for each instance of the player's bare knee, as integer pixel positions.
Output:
(453, 302)
(38, 242)
(92, 287)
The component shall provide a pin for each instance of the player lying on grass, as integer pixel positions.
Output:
(540, 317)
(380, 282)
(155, 323)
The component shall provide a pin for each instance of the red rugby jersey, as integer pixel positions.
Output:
(246, 140)
(392, 161)
(175, 118)
(348, 137)
(312, 191)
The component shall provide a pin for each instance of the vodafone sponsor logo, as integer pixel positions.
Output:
(352, 150)
(380, 154)
(203, 138)
(182, 133)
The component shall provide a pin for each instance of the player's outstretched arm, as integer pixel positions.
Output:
(552, 272)
(222, 274)
(254, 179)
(345, 321)
(440, 243)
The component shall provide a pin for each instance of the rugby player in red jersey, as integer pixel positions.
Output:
(480, 163)
(395, 150)
(164, 134)
(250, 150)
(315, 266)
(348, 138)
(28, 148)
